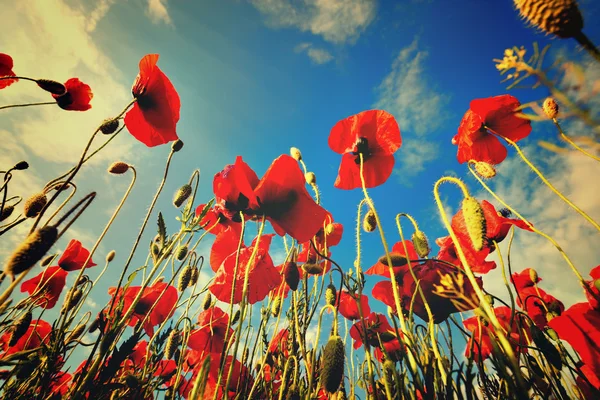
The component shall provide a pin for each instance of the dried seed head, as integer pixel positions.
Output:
(291, 275)
(181, 252)
(332, 371)
(313, 268)
(296, 154)
(181, 195)
(330, 294)
(236, 317)
(177, 145)
(172, 343)
(75, 333)
(6, 212)
(550, 108)
(276, 306)
(485, 170)
(34, 205)
(558, 17)
(207, 301)
(73, 300)
(110, 256)
(52, 86)
(311, 178)
(118, 168)
(184, 278)
(194, 277)
(33, 248)
(370, 222)
(19, 328)
(109, 126)
(420, 243)
(21, 165)
(533, 275)
(474, 221)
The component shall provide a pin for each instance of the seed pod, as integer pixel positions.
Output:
(333, 364)
(110, 256)
(291, 274)
(172, 343)
(52, 86)
(31, 250)
(181, 252)
(236, 317)
(19, 328)
(330, 294)
(181, 195)
(207, 301)
(184, 278)
(75, 333)
(474, 221)
(296, 154)
(485, 170)
(370, 222)
(109, 126)
(558, 17)
(194, 277)
(313, 268)
(177, 145)
(420, 243)
(550, 108)
(311, 178)
(6, 212)
(276, 306)
(34, 205)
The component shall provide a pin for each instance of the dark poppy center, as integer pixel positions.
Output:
(142, 308)
(145, 102)
(277, 207)
(362, 147)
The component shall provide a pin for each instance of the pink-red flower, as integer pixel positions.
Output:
(37, 333)
(399, 260)
(6, 66)
(76, 98)
(209, 337)
(348, 305)
(374, 134)
(45, 288)
(493, 114)
(594, 296)
(378, 334)
(153, 118)
(74, 257)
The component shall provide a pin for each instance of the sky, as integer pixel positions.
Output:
(257, 77)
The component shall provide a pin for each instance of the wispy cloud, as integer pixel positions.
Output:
(157, 11)
(406, 93)
(317, 55)
(337, 21)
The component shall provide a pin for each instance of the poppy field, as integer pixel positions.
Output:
(231, 323)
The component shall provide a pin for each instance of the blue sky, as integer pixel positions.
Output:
(256, 77)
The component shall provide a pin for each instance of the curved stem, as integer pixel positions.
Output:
(588, 45)
(571, 142)
(45, 103)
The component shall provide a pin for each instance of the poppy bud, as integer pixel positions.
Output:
(311, 178)
(420, 243)
(181, 253)
(474, 221)
(110, 256)
(98, 323)
(34, 205)
(118, 168)
(558, 17)
(155, 250)
(291, 275)
(184, 278)
(46, 261)
(172, 343)
(533, 275)
(550, 108)
(296, 154)
(397, 260)
(19, 328)
(33, 248)
(550, 316)
(73, 300)
(276, 306)
(109, 126)
(236, 317)
(207, 301)
(182, 194)
(21, 165)
(313, 268)
(6, 212)
(370, 222)
(330, 294)
(194, 277)
(52, 86)
(177, 145)
(485, 170)
(333, 364)
(597, 284)
(75, 333)
(329, 229)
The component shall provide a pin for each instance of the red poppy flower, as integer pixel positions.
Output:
(375, 135)
(74, 257)
(46, 287)
(209, 337)
(474, 140)
(215, 221)
(329, 235)
(153, 118)
(6, 65)
(60, 384)
(234, 189)
(76, 98)
(281, 344)
(348, 305)
(283, 289)
(480, 344)
(379, 334)
(476, 259)
(399, 262)
(536, 303)
(594, 297)
(37, 333)
(225, 244)
(284, 200)
(158, 300)
(239, 376)
(522, 280)
(263, 277)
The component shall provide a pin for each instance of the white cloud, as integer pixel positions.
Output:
(157, 11)
(317, 55)
(100, 10)
(337, 21)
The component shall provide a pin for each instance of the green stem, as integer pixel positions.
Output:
(46, 103)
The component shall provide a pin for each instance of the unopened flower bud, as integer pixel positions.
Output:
(33, 248)
(329, 229)
(291, 274)
(311, 178)
(181, 195)
(34, 205)
(330, 294)
(370, 222)
(485, 170)
(207, 301)
(194, 277)
(333, 364)
(296, 154)
(313, 268)
(420, 243)
(118, 168)
(597, 284)
(52, 86)
(177, 145)
(75, 333)
(550, 108)
(236, 317)
(19, 328)
(109, 126)
(6, 212)
(21, 165)
(558, 17)
(184, 278)
(474, 221)
(181, 252)
(110, 256)
(73, 300)
(172, 343)
(533, 275)
(276, 306)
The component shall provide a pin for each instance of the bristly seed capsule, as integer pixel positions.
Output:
(474, 221)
